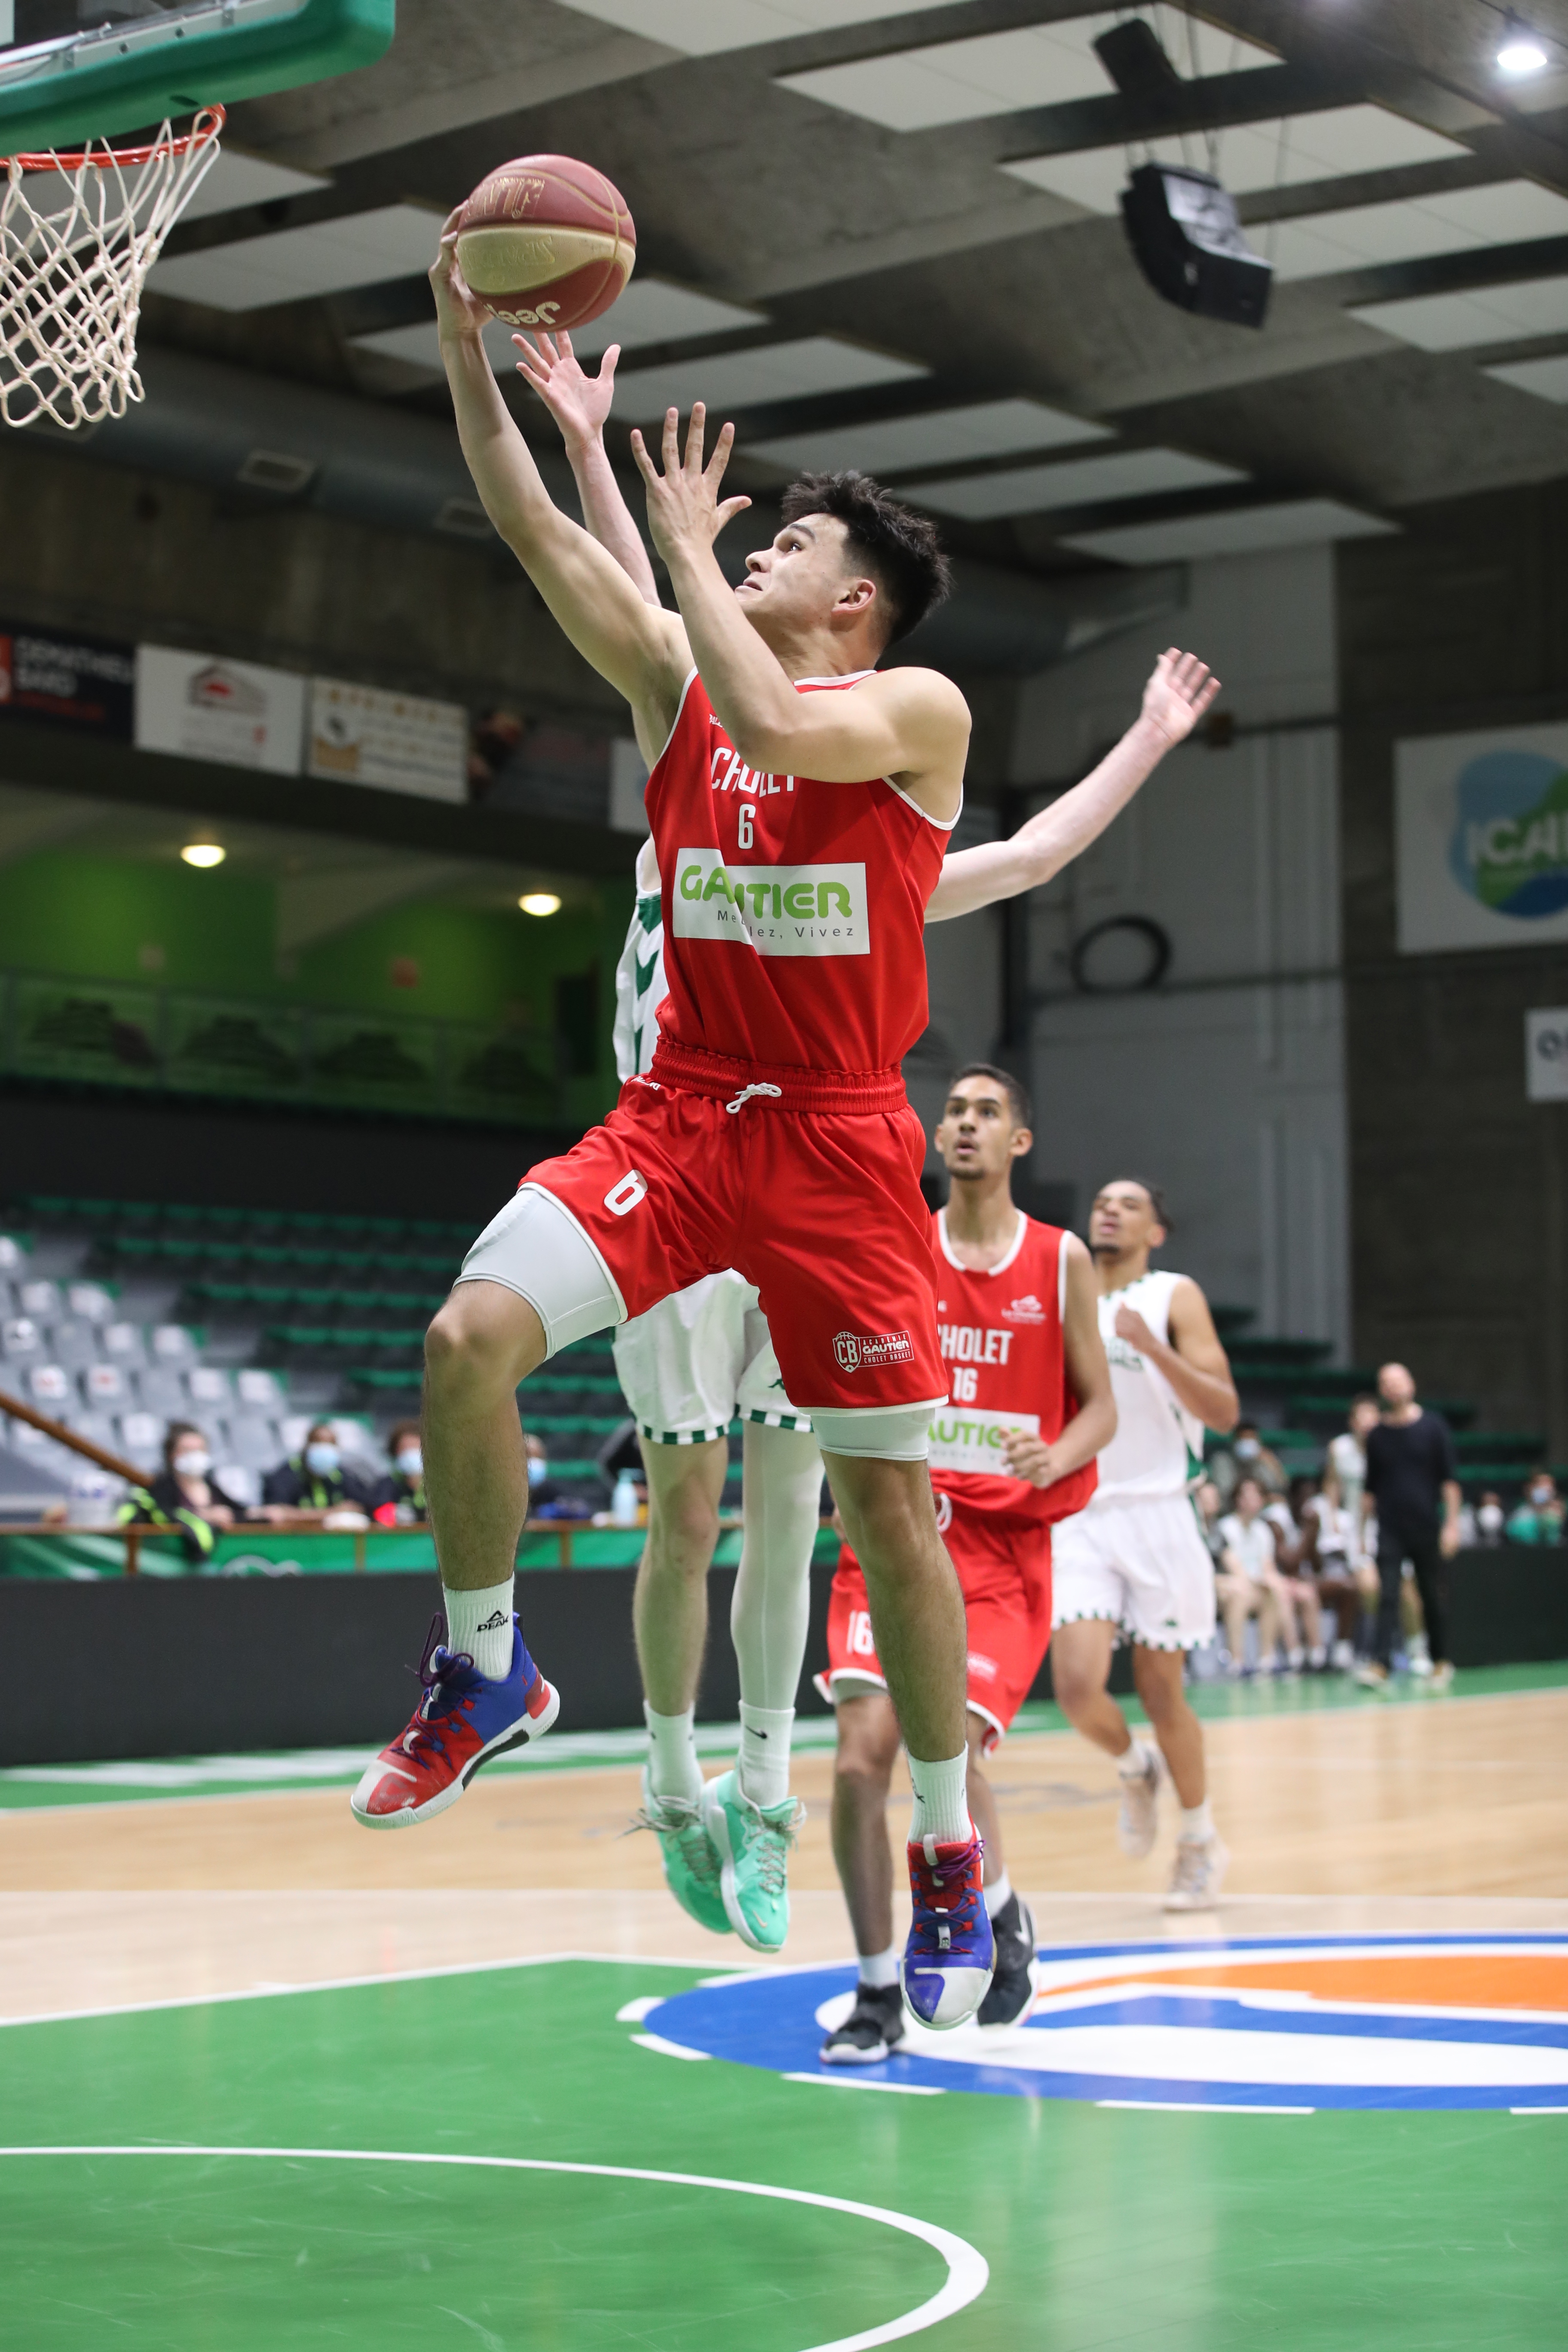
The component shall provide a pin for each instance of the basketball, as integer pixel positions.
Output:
(545, 241)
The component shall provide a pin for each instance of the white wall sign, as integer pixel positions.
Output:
(1481, 834)
(203, 707)
(398, 742)
(1546, 1055)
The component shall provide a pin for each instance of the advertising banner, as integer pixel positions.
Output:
(1481, 839)
(396, 742)
(72, 681)
(201, 706)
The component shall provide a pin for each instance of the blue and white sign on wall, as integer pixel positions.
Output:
(1481, 826)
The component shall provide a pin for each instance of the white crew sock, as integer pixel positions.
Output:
(1197, 1824)
(763, 1762)
(672, 1766)
(880, 1970)
(479, 1622)
(1137, 1760)
(999, 1894)
(942, 1803)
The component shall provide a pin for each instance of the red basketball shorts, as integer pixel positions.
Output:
(806, 1181)
(1004, 1568)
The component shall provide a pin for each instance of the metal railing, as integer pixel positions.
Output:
(163, 1040)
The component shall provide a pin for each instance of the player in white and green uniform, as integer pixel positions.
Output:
(703, 1358)
(1132, 1565)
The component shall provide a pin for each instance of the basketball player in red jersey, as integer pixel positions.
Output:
(800, 802)
(1013, 1453)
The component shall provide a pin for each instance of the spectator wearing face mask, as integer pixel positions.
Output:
(1538, 1520)
(1246, 1456)
(1490, 1519)
(185, 1498)
(541, 1487)
(315, 1479)
(400, 1498)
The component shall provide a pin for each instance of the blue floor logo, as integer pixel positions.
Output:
(1260, 2024)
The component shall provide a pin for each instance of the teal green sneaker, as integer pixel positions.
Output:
(754, 1845)
(690, 1860)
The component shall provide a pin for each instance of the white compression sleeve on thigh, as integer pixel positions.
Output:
(768, 1617)
(536, 1247)
(893, 1432)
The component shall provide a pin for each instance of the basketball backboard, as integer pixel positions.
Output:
(76, 69)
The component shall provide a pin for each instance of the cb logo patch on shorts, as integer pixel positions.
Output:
(853, 1350)
(622, 1198)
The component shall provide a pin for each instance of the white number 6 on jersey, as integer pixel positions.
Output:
(748, 818)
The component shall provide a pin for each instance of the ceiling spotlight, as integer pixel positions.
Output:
(540, 902)
(203, 853)
(1521, 51)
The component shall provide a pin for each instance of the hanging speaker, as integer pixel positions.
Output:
(1189, 244)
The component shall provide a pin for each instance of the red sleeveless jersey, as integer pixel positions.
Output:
(794, 911)
(1000, 1337)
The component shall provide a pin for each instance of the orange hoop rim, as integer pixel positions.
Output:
(205, 124)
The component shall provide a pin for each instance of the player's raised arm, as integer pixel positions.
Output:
(580, 403)
(1174, 699)
(911, 725)
(640, 649)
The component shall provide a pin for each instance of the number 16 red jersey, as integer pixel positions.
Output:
(1000, 1337)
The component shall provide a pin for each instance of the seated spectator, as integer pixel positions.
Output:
(1245, 1586)
(185, 1498)
(1490, 1519)
(315, 1479)
(1332, 1553)
(1538, 1520)
(543, 1489)
(1245, 1456)
(400, 1498)
(1294, 1585)
(1211, 1509)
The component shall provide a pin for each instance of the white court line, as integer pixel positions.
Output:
(667, 2049)
(967, 2269)
(1189, 2107)
(1537, 2111)
(846, 2081)
(348, 1984)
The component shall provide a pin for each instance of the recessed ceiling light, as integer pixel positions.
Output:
(203, 853)
(1521, 51)
(540, 902)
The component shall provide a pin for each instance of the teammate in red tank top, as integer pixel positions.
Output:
(773, 1134)
(1012, 1451)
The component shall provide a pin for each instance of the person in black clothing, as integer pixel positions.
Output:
(315, 1479)
(400, 1496)
(183, 1499)
(1412, 1484)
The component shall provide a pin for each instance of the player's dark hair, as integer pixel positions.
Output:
(898, 548)
(1018, 1102)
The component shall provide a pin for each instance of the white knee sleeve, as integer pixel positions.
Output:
(536, 1247)
(894, 1433)
(772, 1592)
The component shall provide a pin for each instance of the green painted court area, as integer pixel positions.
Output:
(1173, 2232)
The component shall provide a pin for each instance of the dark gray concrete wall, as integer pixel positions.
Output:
(1460, 1186)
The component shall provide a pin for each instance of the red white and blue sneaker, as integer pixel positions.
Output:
(951, 1954)
(462, 1721)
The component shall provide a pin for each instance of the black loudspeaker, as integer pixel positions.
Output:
(1189, 244)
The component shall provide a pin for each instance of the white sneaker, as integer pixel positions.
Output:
(1318, 1658)
(1443, 1676)
(1201, 1865)
(1295, 1660)
(1139, 1817)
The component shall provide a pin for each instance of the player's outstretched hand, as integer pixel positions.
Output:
(457, 312)
(685, 513)
(1178, 694)
(579, 403)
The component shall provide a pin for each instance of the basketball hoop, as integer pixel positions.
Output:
(78, 232)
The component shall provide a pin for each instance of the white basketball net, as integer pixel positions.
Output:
(78, 232)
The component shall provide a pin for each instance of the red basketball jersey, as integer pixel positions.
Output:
(1000, 1337)
(794, 911)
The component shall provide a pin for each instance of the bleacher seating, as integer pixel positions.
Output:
(252, 1323)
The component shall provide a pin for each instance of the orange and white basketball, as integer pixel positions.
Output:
(545, 241)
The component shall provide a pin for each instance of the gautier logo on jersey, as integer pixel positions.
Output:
(1026, 1309)
(782, 910)
(973, 1441)
(856, 1351)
